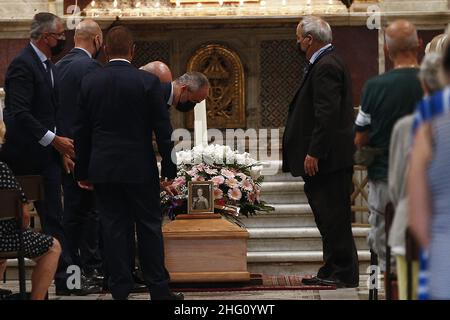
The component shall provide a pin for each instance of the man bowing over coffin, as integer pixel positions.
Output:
(120, 107)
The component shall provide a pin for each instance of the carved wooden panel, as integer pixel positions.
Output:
(225, 103)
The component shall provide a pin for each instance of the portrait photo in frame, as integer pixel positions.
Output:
(200, 197)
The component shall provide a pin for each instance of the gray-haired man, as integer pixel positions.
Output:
(33, 146)
(184, 92)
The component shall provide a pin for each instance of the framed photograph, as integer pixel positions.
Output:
(200, 197)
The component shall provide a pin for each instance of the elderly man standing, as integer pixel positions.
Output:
(386, 99)
(80, 218)
(318, 146)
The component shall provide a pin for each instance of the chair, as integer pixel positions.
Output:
(373, 292)
(11, 207)
(33, 187)
(412, 254)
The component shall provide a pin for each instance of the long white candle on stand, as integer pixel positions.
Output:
(200, 124)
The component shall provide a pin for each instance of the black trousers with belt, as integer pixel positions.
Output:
(329, 197)
(122, 207)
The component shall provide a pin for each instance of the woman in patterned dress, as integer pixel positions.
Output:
(41, 248)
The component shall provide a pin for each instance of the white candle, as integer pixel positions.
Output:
(200, 124)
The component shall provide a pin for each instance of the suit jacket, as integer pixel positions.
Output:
(71, 70)
(120, 106)
(167, 90)
(320, 119)
(31, 104)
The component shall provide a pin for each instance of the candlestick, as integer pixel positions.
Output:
(200, 124)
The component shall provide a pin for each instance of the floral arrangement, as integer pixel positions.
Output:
(236, 177)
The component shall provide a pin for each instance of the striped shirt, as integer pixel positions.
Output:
(431, 106)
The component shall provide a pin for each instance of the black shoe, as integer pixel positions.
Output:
(4, 293)
(139, 288)
(94, 277)
(17, 296)
(170, 296)
(86, 288)
(314, 281)
(338, 283)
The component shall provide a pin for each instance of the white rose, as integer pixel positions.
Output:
(255, 172)
(240, 159)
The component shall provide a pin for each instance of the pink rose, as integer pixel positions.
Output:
(247, 185)
(192, 172)
(232, 183)
(258, 194)
(227, 173)
(211, 171)
(251, 197)
(235, 194)
(178, 182)
(218, 180)
(218, 194)
(198, 178)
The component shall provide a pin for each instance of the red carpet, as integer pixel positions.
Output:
(257, 283)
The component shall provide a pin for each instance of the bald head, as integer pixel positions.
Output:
(401, 37)
(159, 69)
(88, 36)
(87, 29)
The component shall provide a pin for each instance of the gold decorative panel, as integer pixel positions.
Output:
(225, 104)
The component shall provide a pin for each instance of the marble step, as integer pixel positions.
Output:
(283, 192)
(295, 256)
(295, 239)
(295, 263)
(284, 215)
(279, 177)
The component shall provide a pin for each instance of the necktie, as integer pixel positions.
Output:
(48, 70)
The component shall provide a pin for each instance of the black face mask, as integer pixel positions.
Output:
(61, 43)
(185, 106)
(97, 53)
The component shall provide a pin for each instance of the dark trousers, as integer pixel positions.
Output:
(81, 225)
(122, 207)
(51, 215)
(329, 197)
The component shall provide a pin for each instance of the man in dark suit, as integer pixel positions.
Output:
(317, 145)
(120, 107)
(33, 146)
(80, 218)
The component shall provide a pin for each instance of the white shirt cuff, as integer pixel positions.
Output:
(47, 138)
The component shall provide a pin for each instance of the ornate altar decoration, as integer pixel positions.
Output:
(204, 8)
(226, 100)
